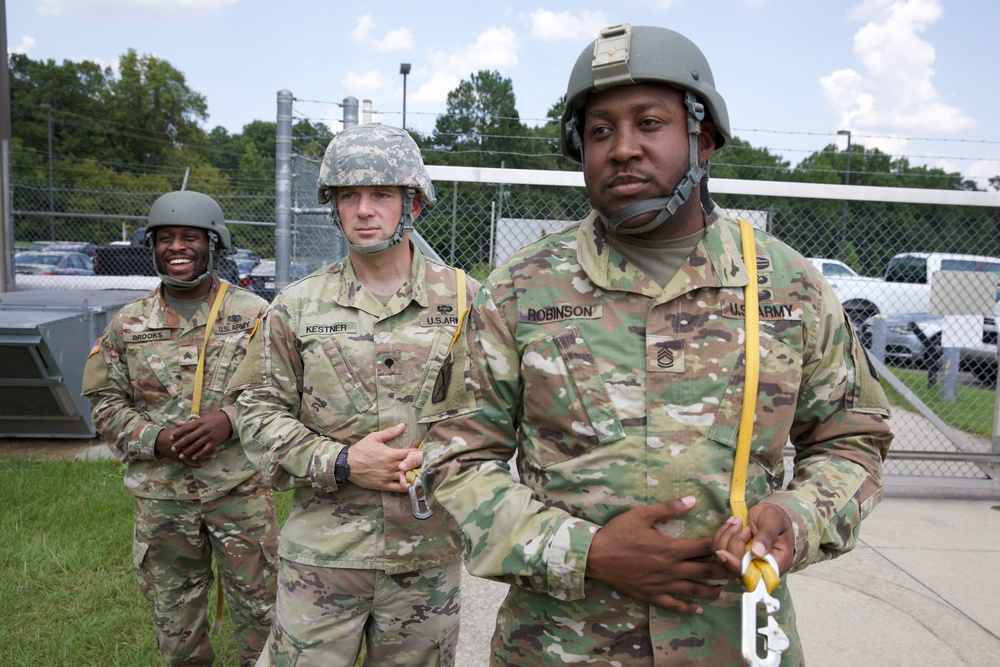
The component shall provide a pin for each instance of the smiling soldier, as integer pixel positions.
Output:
(156, 382)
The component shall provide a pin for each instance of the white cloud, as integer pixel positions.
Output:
(151, 10)
(25, 46)
(365, 84)
(435, 91)
(550, 26)
(493, 49)
(398, 39)
(982, 171)
(893, 92)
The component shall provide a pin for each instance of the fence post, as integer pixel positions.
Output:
(996, 403)
(283, 191)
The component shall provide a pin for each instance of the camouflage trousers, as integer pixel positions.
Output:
(172, 551)
(322, 614)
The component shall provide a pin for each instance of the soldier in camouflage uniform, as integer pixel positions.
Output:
(348, 366)
(611, 362)
(196, 494)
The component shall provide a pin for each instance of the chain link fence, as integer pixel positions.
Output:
(940, 362)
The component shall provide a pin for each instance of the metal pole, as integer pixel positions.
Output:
(847, 181)
(283, 191)
(404, 69)
(52, 206)
(454, 221)
(350, 112)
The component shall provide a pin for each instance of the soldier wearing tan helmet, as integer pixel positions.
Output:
(156, 382)
(353, 364)
(613, 363)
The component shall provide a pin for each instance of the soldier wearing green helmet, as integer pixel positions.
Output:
(353, 363)
(613, 363)
(156, 383)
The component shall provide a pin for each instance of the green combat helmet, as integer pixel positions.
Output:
(624, 55)
(186, 208)
(374, 154)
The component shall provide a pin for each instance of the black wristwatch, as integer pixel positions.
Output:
(341, 471)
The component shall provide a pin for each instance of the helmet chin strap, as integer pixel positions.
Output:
(405, 225)
(185, 285)
(697, 174)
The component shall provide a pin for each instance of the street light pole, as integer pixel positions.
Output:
(52, 207)
(847, 181)
(404, 69)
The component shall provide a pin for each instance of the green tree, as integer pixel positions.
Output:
(154, 109)
(740, 160)
(75, 93)
(481, 126)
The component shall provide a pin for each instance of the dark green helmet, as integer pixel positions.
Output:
(623, 55)
(187, 208)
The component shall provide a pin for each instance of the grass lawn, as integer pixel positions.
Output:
(972, 410)
(67, 587)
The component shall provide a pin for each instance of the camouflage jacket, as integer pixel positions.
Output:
(615, 393)
(140, 379)
(331, 366)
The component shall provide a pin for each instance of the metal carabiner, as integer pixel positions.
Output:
(775, 640)
(418, 499)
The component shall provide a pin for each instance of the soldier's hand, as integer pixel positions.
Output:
(412, 461)
(632, 555)
(374, 464)
(197, 442)
(769, 528)
(164, 444)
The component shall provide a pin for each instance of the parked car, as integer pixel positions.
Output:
(243, 268)
(832, 267)
(914, 339)
(906, 286)
(72, 246)
(53, 263)
(244, 253)
(38, 246)
(261, 278)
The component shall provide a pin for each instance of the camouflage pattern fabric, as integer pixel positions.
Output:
(323, 611)
(615, 393)
(140, 379)
(172, 552)
(330, 365)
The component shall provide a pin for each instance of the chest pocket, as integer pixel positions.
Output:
(228, 354)
(567, 408)
(154, 375)
(332, 390)
(777, 399)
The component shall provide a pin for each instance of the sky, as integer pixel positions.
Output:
(914, 78)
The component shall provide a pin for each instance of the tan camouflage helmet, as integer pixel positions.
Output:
(374, 154)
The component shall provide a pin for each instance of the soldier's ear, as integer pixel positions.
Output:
(418, 204)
